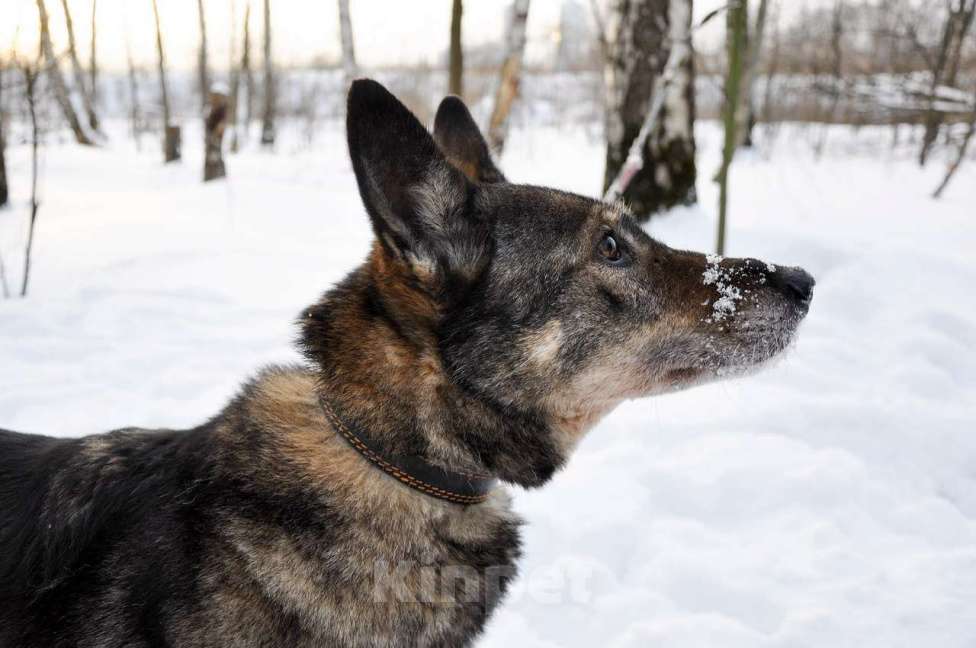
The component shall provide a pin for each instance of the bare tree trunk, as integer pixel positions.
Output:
(964, 22)
(4, 196)
(748, 118)
(349, 68)
(4, 191)
(135, 110)
(59, 87)
(455, 84)
(737, 19)
(235, 80)
(945, 68)
(4, 286)
(247, 73)
(203, 72)
(93, 60)
(172, 136)
(30, 86)
(213, 162)
(268, 125)
(766, 114)
(836, 69)
(79, 74)
(510, 77)
(644, 39)
(960, 154)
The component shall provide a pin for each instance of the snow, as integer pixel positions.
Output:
(714, 275)
(828, 501)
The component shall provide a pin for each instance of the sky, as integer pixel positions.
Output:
(385, 31)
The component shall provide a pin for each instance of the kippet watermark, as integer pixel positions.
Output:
(554, 584)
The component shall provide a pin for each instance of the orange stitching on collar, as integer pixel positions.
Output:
(395, 472)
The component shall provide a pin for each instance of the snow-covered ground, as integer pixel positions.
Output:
(829, 501)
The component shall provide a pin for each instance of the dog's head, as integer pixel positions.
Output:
(544, 300)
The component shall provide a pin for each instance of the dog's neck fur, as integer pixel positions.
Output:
(374, 339)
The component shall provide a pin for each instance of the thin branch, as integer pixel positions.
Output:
(30, 76)
(960, 156)
(3, 280)
(601, 29)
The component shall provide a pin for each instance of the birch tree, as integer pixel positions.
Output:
(171, 132)
(268, 125)
(79, 74)
(349, 67)
(58, 85)
(640, 39)
(736, 21)
(455, 85)
(510, 77)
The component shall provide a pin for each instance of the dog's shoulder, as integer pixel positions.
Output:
(61, 497)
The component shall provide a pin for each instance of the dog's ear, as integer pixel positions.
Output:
(459, 138)
(418, 203)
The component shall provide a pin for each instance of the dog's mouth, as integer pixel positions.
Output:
(737, 346)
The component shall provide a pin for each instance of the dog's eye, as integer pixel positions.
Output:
(608, 248)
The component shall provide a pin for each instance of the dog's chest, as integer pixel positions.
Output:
(413, 583)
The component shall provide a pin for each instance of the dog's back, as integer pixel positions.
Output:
(28, 464)
(77, 512)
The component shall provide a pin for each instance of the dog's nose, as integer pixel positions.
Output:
(794, 282)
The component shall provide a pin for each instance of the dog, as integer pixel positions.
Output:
(360, 499)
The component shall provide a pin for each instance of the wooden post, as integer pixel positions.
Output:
(172, 143)
(214, 126)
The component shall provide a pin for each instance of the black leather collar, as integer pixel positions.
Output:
(449, 485)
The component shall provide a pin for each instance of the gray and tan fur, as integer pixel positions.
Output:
(491, 325)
